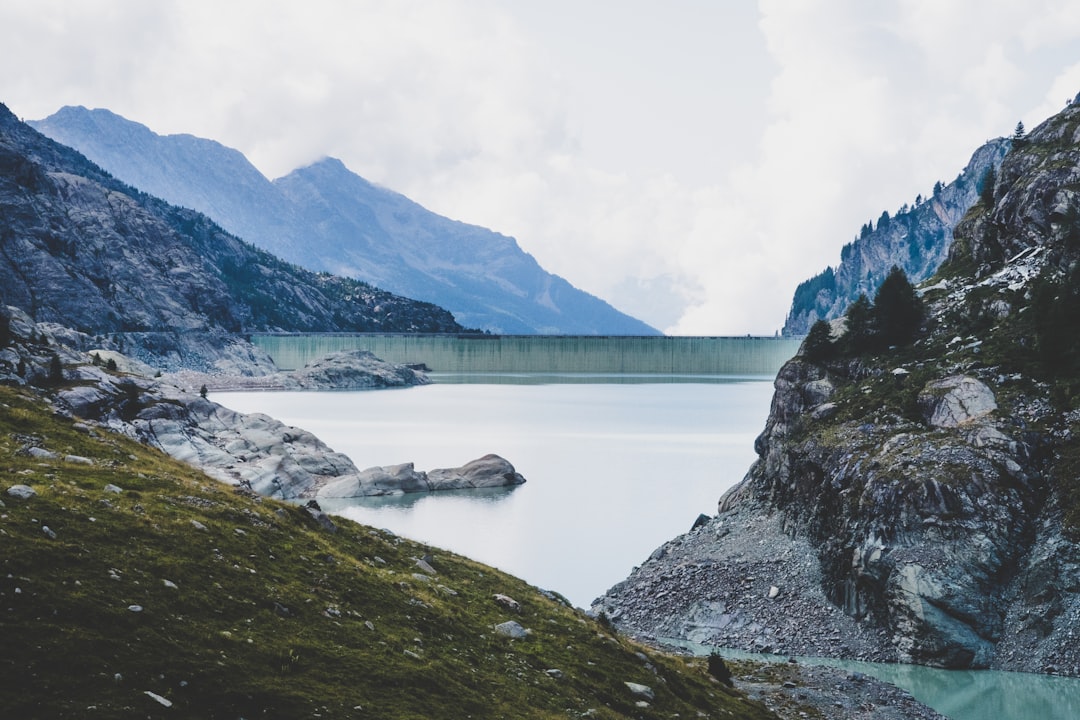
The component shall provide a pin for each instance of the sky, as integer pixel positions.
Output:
(689, 161)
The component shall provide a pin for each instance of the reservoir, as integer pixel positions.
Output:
(614, 469)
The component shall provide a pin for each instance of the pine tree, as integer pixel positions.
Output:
(818, 344)
(986, 187)
(859, 321)
(897, 310)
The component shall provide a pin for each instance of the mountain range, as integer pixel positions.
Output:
(916, 239)
(81, 249)
(326, 218)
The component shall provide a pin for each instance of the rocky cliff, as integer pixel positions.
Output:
(83, 250)
(915, 239)
(326, 218)
(918, 503)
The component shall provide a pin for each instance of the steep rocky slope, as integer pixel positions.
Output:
(81, 249)
(916, 239)
(917, 503)
(134, 586)
(326, 218)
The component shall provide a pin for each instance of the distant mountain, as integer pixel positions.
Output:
(916, 239)
(80, 248)
(326, 218)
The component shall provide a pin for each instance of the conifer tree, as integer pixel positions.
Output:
(818, 344)
(859, 333)
(897, 310)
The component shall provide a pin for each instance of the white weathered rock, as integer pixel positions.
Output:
(488, 471)
(507, 602)
(23, 492)
(41, 453)
(512, 629)
(641, 690)
(955, 401)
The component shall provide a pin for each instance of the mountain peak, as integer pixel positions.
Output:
(326, 217)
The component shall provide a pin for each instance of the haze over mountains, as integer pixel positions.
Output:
(81, 249)
(326, 218)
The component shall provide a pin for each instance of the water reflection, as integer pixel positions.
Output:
(408, 501)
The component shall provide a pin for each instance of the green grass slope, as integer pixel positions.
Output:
(180, 597)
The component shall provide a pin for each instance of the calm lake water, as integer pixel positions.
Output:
(613, 469)
(616, 465)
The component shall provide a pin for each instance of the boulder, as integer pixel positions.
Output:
(22, 492)
(512, 629)
(955, 401)
(353, 370)
(488, 471)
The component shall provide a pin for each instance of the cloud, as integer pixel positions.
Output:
(688, 181)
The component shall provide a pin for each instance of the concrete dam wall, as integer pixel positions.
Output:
(545, 354)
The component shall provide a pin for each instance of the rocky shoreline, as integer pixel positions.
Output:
(174, 413)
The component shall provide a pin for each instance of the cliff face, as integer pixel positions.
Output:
(918, 504)
(81, 249)
(326, 218)
(917, 240)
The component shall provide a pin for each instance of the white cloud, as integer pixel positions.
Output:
(682, 151)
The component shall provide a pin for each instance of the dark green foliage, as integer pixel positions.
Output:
(202, 392)
(95, 360)
(807, 292)
(1056, 311)
(719, 669)
(986, 187)
(898, 312)
(5, 329)
(859, 335)
(883, 221)
(818, 344)
(111, 365)
(1019, 132)
(893, 319)
(938, 187)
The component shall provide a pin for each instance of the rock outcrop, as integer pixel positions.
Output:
(915, 239)
(915, 503)
(486, 472)
(254, 450)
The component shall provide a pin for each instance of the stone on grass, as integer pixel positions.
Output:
(23, 492)
(110, 488)
(507, 602)
(48, 532)
(164, 701)
(641, 690)
(512, 629)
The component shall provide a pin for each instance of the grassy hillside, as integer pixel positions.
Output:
(226, 605)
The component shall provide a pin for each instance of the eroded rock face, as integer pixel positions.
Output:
(924, 513)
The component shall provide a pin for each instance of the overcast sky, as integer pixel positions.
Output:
(690, 161)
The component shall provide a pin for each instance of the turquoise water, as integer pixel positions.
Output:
(959, 694)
